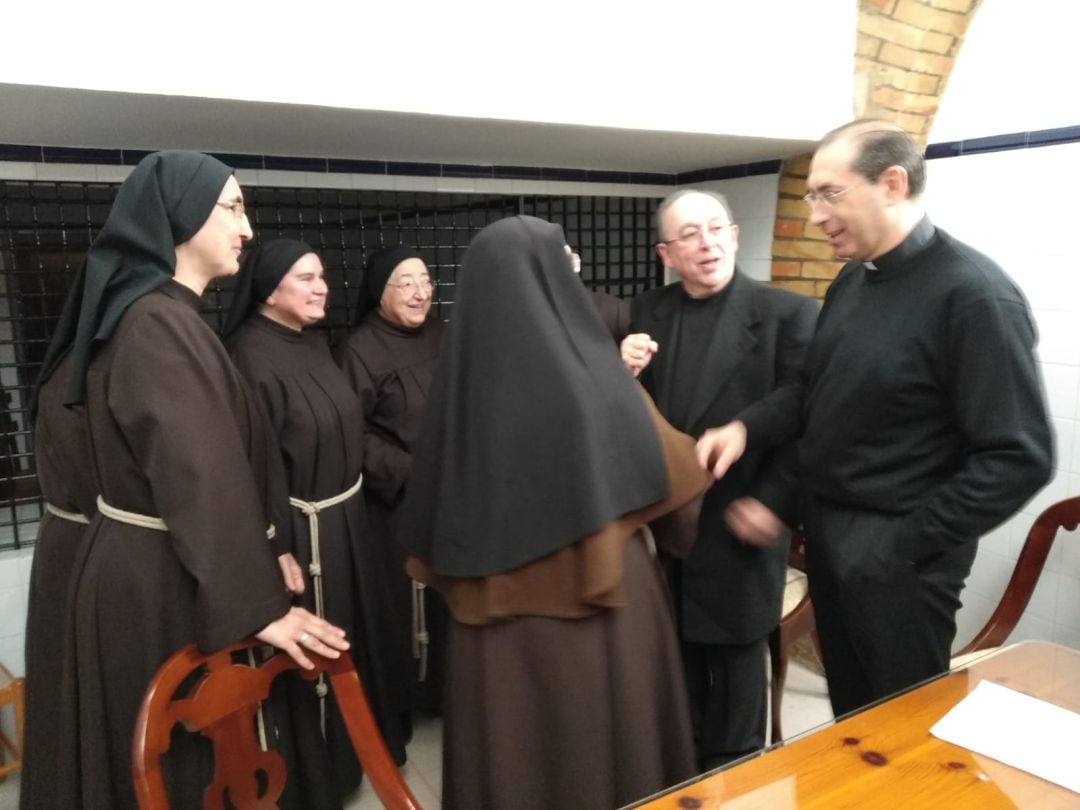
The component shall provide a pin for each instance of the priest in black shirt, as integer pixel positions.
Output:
(921, 415)
(705, 348)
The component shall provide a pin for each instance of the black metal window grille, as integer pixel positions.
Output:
(45, 229)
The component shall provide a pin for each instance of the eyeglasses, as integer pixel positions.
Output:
(409, 286)
(828, 198)
(712, 231)
(234, 207)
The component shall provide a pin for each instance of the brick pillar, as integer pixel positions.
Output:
(904, 54)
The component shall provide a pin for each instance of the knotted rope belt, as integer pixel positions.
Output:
(420, 636)
(130, 518)
(63, 514)
(145, 521)
(157, 524)
(312, 509)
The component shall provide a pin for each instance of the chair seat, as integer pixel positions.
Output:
(795, 588)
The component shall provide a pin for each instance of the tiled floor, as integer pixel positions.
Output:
(805, 706)
(9, 793)
(423, 771)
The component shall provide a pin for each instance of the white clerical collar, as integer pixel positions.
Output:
(869, 265)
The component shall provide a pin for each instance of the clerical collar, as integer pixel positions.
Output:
(899, 257)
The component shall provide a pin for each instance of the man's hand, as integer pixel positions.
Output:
(637, 350)
(753, 522)
(719, 448)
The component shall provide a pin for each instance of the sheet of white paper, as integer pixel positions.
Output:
(1017, 729)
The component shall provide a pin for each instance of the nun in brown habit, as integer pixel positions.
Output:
(318, 432)
(389, 359)
(66, 478)
(178, 551)
(540, 461)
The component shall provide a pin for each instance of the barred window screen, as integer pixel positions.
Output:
(45, 229)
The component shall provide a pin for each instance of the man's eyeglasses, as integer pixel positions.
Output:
(234, 207)
(691, 237)
(409, 286)
(827, 198)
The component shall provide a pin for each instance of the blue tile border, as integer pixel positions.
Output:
(24, 153)
(995, 143)
(518, 172)
(129, 157)
(237, 161)
(1003, 143)
(65, 154)
(349, 166)
(940, 150)
(467, 170)
(20, 153)
(413, 169)
(294, 164)
(1047, 137)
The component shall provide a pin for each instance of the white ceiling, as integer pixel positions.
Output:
(694, 84)
(54, 116)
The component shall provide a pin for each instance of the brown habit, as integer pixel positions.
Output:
(64, 471)
(319, 430)
(176, 435)
(580, 643)
(390, 368)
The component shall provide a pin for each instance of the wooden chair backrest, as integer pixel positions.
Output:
(1029, 565)
(220, 697)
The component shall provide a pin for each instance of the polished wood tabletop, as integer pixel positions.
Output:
(885, 756)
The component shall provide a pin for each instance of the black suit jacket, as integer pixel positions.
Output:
(727, 592)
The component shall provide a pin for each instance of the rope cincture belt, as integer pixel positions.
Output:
(420, 636)
(63, 514)
(156, 523)
(312, 509)
(148, 521)
(130, 518)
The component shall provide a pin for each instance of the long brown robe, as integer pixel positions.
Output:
(566, 673)
(390, 368)
(319, 431)
(175, 434)
(65, 473)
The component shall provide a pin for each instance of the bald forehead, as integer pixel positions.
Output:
(692, 209)
(839, 152)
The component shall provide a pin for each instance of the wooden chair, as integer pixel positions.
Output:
(219, 699)
(798, 614)
(796, 621)
(12, 693)
(1025, 576)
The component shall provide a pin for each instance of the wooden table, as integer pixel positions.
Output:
(885, 756)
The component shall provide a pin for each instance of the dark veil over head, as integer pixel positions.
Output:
(536, 435)
(262, 271)
(378, 268)
(164, 201)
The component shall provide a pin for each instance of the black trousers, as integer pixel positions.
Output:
(728, 689)
(885, 622)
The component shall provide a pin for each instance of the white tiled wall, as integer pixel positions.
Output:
(14, 590)
(1019, 207)
(753, 204)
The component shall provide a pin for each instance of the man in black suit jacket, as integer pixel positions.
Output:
(705, 348)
